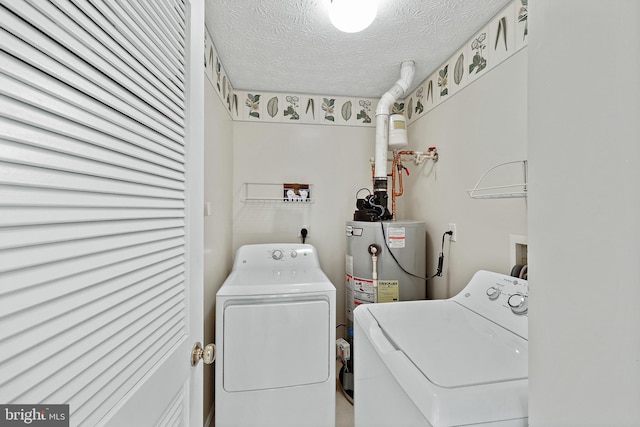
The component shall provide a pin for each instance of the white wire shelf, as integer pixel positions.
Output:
(260, 193)
(507, 191)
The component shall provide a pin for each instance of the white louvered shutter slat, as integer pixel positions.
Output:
(108, 59)
(99, 283)
(32, 156)
(12, 237)
(93, 201)
(166, 20)
(17, 216)
(76, 108)
(11, 173)
(173, 413)
(159, 28)
(66, 347)
(92, 312)
(139, 38)
(39, 120)
(123, 16)
(129, 13)
(41, 138)
(114, 43)
(57, 252)
(147, 61)
(46, 275)
(179, 6)
(171, 17)
(87, 33)
(95, 84)
(102, 390)
(37, 197)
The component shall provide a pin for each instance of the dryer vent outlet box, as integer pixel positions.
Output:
(518, 250)
(521, 253)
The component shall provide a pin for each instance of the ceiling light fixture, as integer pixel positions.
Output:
(352, 16)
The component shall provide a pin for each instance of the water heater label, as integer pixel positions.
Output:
(362, 291)
(357, 291)
(349, 296)
(388, 290)
(396, 237)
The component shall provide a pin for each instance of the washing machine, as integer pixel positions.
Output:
(444, 363)
(275, 340)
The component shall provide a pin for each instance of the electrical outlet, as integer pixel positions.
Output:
(300, 227)
(454, 236)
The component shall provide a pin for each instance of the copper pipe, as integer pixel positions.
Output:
(393, 185)
(373, 171)
(396, 175)
(396, 168)
(399, 169)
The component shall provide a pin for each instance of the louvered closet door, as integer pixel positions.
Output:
(100, 116)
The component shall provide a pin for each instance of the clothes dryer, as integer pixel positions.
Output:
(275, 340)
(444, 363)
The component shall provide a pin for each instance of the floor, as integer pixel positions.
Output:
(344, 409)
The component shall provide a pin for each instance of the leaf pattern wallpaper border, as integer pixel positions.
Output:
(502, 37)
(306, 109)
(215, 72)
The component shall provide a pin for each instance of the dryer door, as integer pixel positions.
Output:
(275, 345)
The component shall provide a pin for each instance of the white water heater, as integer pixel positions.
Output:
(403, 240)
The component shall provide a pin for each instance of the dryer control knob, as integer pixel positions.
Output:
(518, 303)
(493, 293)
(277, 254)
(294, 254)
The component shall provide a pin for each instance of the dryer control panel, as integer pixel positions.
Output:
(500, 298)
(275, 255)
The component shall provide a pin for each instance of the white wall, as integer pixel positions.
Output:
(334, 159)
(584, 205)
(218, 254)
(481, 126)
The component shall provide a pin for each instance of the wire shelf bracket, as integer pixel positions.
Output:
(508, 191)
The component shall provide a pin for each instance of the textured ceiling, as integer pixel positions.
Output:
(291, 46)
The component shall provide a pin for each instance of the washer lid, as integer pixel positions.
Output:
(451, 345)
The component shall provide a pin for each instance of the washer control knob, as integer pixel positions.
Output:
(294, 254)
(518, 303)
(493, 293)
(277, 254)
